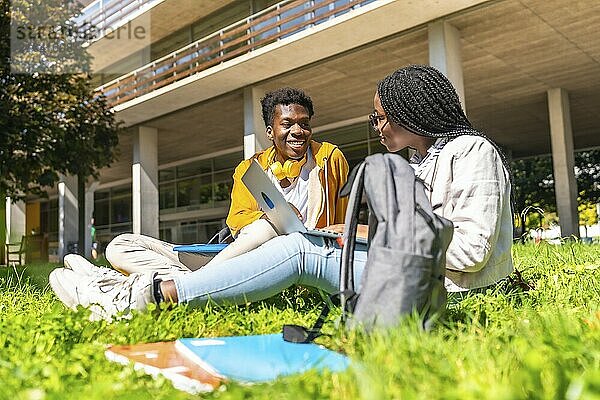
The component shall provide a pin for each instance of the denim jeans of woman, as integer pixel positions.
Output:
(294, 259)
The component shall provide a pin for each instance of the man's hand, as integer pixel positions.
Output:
(297, 212)
(264, 216)
(362, 231)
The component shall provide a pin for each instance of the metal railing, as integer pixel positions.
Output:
(268, 26)
(104, 15)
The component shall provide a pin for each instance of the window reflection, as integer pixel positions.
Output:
(197, 185)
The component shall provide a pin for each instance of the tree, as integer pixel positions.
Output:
(51, 121)
(533, 187)
(534, 181)
(587, 170)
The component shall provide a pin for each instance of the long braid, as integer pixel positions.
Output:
(421, 99)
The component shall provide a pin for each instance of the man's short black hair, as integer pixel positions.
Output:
(284, 96)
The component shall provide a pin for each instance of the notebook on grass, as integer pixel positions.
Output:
(203, 364)
(162, 358)
(259, 358)
(272, 203)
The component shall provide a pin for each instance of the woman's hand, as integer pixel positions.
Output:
(362, 231)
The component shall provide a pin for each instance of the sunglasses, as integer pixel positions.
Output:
(374, 119)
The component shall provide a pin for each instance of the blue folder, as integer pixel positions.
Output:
(259, 358)
(201, 248)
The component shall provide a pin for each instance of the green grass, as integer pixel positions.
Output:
(505, 344)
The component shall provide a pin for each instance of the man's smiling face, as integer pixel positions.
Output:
(291, 131)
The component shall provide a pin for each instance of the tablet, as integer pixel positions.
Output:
(201, 248)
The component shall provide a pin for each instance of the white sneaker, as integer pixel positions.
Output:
(104, 295)
(61, 281)
(82, 266)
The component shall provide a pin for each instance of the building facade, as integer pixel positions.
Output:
(188, 92)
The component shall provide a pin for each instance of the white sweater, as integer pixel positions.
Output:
(467, 183)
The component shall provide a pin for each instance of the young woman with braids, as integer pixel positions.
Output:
(467, 179)
(467, 175)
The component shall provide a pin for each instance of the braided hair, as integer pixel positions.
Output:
(422, 100)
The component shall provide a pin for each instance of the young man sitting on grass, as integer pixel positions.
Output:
(308, 173)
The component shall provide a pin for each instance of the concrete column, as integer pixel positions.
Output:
(563, 160)
(68, 215)
(145, 181)
(255, 138)
(15, 220)
(89, 212)
(445, 54)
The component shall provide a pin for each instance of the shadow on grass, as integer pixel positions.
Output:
(34, 274)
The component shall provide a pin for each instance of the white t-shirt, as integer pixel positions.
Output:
(297, 192)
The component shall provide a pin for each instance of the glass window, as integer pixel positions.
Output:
(195, 191)
(223, 183)
(355, 142)
(345, 135)
(295, 22)
(166, 234)
(207, 229)
(271, 22)
(189, 232)
(183, 193)
(49, 219)
(166, 196)
(120, 210)
(340, 3)
(121, 228)
(193, 231)
(104, 195)
(355, 153)
(101, 213)
(228, 161)
(166, 174)
(198, 184)
(121, 191)
(194, 168)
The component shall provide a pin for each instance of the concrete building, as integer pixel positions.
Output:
(528, 73)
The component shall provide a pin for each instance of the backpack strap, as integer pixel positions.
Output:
(299, 334)
(347, 296)
(354, 189)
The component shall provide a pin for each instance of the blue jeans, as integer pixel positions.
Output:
(261, 273)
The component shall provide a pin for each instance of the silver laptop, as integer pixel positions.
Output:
(280, 213)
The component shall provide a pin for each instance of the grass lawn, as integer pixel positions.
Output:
(544, 343)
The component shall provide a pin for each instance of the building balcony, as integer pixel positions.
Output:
(271, 25)
(287, 36)
(106, 15)
(158, 18)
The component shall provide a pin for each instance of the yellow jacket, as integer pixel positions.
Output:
(325, 206)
